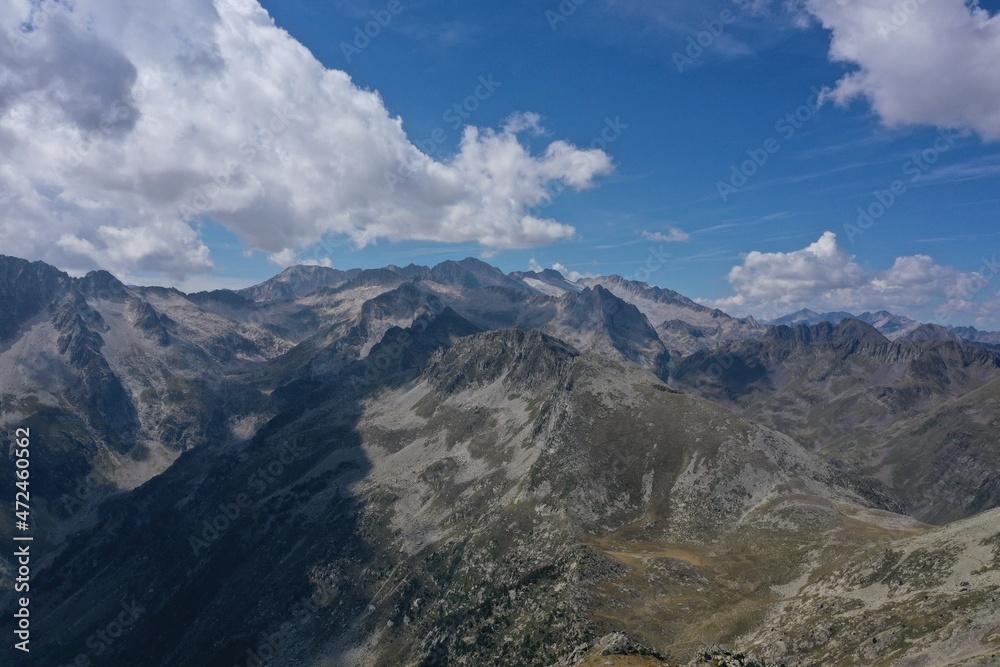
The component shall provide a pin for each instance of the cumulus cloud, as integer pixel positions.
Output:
(920, 62)
(121, 130)
(669, 235)
(568, 274)
(988, 314)
(824, 276)
(983, 313)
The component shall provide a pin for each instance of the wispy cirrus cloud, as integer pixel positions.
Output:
(668, 235)
(971, 170)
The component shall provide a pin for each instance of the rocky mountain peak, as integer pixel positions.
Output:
(407, 349)
(626, 288)
(928, 332)
(546, 281)
(845, 332)
(523, 359)
(25, 288)
(599, 302)
(411, 271)
(550, 274)
(595, 319)
(472, 273)
(102, 285)
(294, 282)
(811, 317)
(850, 330)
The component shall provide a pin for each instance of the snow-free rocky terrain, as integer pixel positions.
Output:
(452, 466)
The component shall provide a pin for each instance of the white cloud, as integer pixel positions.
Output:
(988, 315)
(823, 277)
(284, 258)
(920, 62)
(568, 274)
(983, 315)
(525, 122)
(669, 235)
(120, 124)
(571, 275)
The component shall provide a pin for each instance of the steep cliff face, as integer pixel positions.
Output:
(683, 325)
(146, 320)
(109, 407)
(596, 320)
(26, 289)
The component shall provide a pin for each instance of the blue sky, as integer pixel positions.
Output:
(685, 130)
(606, 77)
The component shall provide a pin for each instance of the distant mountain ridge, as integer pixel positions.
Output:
(296, 281)
(892, 326)
(675, 316)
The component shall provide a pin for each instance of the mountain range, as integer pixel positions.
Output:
(451, 465)
(896, 327)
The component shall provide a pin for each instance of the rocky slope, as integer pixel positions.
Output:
(929, 599)
(448, 465)
(114, 386)
(489, 498)
(904, 411)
